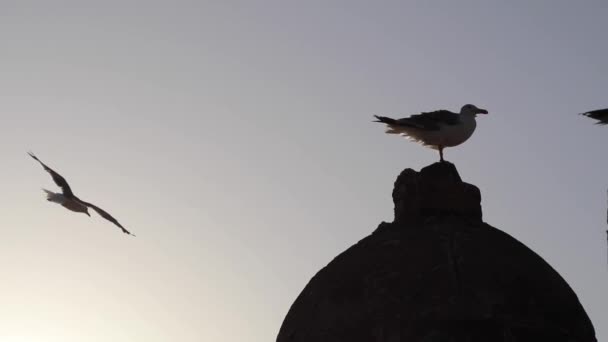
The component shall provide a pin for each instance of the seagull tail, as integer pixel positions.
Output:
(385, 120)
(53, 197)
(49, 194)
(393, 126)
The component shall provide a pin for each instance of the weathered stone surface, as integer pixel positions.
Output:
(435, 191)
(437, 273)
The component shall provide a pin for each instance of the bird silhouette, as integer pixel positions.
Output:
(68, 200)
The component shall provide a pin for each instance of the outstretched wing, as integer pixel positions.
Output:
(601, 115)
(105, 215)
(430, 121)
(60, 181)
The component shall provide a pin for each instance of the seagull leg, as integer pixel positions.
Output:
(441, 154)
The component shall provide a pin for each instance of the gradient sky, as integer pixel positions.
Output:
(235, 139)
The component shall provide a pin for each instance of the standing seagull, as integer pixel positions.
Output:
(69, 201)
(438, 129)
(601, 115)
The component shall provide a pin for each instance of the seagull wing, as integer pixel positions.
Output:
(60, 181)
(431, 121)
(105, 215)
(601, 115)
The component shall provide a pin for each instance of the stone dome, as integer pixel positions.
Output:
(437, 273)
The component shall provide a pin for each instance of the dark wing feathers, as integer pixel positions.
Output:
(105, 215)
(434, 120)
(60, 181)
(430, 121)
(601, 115)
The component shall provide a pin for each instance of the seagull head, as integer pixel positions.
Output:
(470, 109)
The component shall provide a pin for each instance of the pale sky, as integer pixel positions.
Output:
(235, 139)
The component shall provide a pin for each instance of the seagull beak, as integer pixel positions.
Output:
(482, 111)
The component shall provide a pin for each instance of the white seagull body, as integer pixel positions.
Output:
(438, 129)
(601, 115)
(68, 200)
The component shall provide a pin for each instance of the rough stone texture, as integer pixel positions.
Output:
(437, 273)
(435, 191)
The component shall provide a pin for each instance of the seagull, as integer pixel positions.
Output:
(69, 201)
(438, 129)
(601, 115)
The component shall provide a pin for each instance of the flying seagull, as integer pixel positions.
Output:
(69, 201)
(438, 129)
(601, 115)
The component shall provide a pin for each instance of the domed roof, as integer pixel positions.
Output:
(437, 273)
